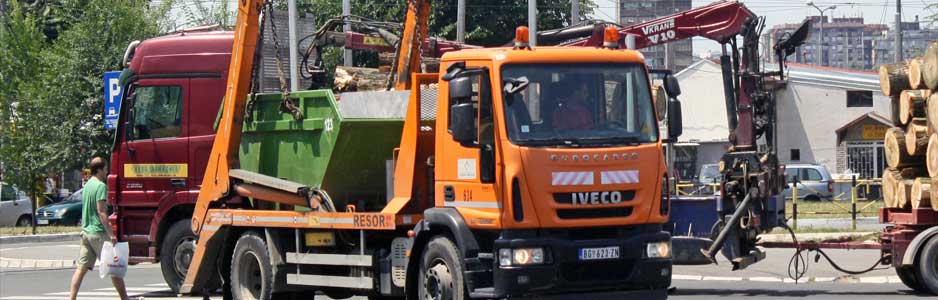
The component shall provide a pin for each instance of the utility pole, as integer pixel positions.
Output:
(461, 21)
(820, 44)
(898, 30)
(532, 22)
(347, 11)
(575, 12)
(291, 25)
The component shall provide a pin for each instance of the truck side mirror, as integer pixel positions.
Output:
(671, 86)
(460, 88)
(462, 123)
(675, 121)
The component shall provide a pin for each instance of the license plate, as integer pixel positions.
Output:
(42, 222)
(599, 253)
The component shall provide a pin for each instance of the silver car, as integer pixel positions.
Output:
(815, 182)
(15, 207)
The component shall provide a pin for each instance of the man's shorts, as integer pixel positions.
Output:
(91, 248)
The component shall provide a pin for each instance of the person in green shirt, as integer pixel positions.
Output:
(93, 231)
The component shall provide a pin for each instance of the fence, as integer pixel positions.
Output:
(863, 195)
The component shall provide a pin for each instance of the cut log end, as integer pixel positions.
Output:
(921, 193)
(904, 193)
(891, 179)
(916, 138)
(915, 73)
(930, 66)
(897, 156)
(893, 78)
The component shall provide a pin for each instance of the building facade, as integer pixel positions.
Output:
(674, 56)
(850, 43)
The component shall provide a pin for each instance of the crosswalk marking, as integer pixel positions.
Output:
(150, 291)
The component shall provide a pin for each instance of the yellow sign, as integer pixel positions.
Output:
(314, 221)
(874, 132)
(320, 239)
(156, 170)
(374, 41)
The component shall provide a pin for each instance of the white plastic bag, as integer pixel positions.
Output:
(114, 259)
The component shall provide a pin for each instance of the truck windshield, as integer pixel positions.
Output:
(580, 105)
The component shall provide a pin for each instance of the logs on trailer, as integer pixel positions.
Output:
(896, 154)
(350, 79)
(913, 105)
(933, 194)
(932, 110)
(916, 138)
(894, 78)
(921, 192)
(891, 179)
(930, 66)
(931, 157)
(912, 172)
(915, 73)
(903, 192)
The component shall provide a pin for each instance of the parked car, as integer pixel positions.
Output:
(709, 174)
(15, 207)
(815, 182)
(67, 212)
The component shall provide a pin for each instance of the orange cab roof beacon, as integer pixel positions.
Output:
(611, 37)
(522, 37)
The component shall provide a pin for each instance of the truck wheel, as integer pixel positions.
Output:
(176, 252)
(927, 268)
(907, 275)
(441, 275)
(252, 276)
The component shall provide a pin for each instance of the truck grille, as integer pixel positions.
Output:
(594, 213)
(567, 198)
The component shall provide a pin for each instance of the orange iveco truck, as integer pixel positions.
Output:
(517, 172)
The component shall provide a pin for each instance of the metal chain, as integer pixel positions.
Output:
(255, 79)
(287, 105)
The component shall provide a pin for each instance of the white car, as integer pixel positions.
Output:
(15, 207)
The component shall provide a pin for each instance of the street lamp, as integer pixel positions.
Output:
(820, 26)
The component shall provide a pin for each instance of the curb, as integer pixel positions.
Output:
(40, 238)
(840, 279)
(15, 263)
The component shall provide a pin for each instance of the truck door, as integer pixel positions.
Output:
(154, 154)
(466, 175)
(202, 108)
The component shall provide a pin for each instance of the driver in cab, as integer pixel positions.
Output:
(572, 111)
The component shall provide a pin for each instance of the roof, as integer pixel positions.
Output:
(870, 115)
(829, 77)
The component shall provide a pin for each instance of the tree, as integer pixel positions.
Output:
(52, 91)
(488, 22)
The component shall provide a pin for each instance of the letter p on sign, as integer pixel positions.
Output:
(112, 98)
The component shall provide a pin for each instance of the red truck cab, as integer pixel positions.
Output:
(173, 89)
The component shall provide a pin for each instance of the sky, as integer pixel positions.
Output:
(794, 11)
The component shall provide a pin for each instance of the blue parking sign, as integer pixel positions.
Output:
(112, 98)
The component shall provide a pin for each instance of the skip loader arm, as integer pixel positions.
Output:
(216, 184)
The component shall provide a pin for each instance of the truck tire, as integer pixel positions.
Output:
(252, 276)
(176, 250)
(441, 276)
(927, 268)
(907, 275)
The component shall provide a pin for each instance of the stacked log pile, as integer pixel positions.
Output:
(911, 146)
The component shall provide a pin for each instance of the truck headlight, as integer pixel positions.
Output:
(658, 249)
(520, 256)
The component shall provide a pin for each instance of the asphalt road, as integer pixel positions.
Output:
(765, 280)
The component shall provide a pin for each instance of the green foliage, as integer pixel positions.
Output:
(488, 22)
(52, 91)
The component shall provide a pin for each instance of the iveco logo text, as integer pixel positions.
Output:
(668, 24)
(596, 198)
(594, 157)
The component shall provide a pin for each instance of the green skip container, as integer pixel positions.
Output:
(343, 147)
